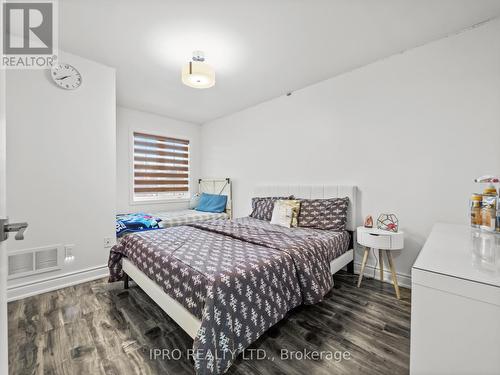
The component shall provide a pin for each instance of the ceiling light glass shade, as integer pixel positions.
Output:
(198, 74)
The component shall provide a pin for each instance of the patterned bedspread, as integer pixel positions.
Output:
(239, 277)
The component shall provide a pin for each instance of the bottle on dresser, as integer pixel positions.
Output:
(486, 214)
(498, 214)
(475, 210)
(489, 209)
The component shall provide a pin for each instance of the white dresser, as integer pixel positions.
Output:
(455, 317)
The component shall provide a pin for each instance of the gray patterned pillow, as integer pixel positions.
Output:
(324, 213)
(262, 208)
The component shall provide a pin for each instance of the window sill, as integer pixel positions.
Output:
(159, 201)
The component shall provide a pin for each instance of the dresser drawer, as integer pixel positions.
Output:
(375, 240)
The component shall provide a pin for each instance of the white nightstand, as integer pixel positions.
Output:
(383, 241)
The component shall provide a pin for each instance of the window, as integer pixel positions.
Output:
(161, 167)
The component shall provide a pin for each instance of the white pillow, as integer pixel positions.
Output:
(193, 203)
(283, 213)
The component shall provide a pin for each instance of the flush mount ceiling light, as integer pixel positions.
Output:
(198, 73)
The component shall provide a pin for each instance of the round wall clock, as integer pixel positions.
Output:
(66, 76)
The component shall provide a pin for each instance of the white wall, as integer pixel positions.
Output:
(128, 121)
(411, 131)
(61, 168)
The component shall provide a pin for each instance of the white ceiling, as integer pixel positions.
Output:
(259, 49)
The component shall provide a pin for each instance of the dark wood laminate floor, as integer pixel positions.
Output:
(100, 328)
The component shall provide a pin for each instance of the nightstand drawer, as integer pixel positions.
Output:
(377, 241)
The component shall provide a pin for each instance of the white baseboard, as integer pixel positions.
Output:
(403, 279)
(49, 284)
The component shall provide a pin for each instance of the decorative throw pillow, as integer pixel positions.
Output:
(324, 213)
(212, 203)
(285, 213)
(262, 208)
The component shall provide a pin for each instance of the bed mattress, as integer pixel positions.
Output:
(184, 217)
(239, 277)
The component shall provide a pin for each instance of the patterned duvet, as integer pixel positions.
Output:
(239, 277)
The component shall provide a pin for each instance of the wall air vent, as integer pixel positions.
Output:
(28, 262)
(20, 264)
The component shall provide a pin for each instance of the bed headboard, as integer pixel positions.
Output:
(221, 186)
(315, 191)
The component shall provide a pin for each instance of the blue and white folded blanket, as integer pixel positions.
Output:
(137, 222)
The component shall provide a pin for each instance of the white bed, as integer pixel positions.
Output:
(220, 186)
(321, 192)
(187, 321)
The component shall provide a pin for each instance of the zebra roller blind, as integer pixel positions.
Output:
(161, 167)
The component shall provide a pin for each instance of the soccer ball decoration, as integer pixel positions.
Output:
(388, 222)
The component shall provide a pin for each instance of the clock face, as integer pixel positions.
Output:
(66, 76)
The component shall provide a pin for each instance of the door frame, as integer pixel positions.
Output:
(4, 362)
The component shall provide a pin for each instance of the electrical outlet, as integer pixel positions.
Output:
(108, 242)
(68, 253)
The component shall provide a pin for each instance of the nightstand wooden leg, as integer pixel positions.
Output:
(381, 261)
(363, 264)
(393, 272)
